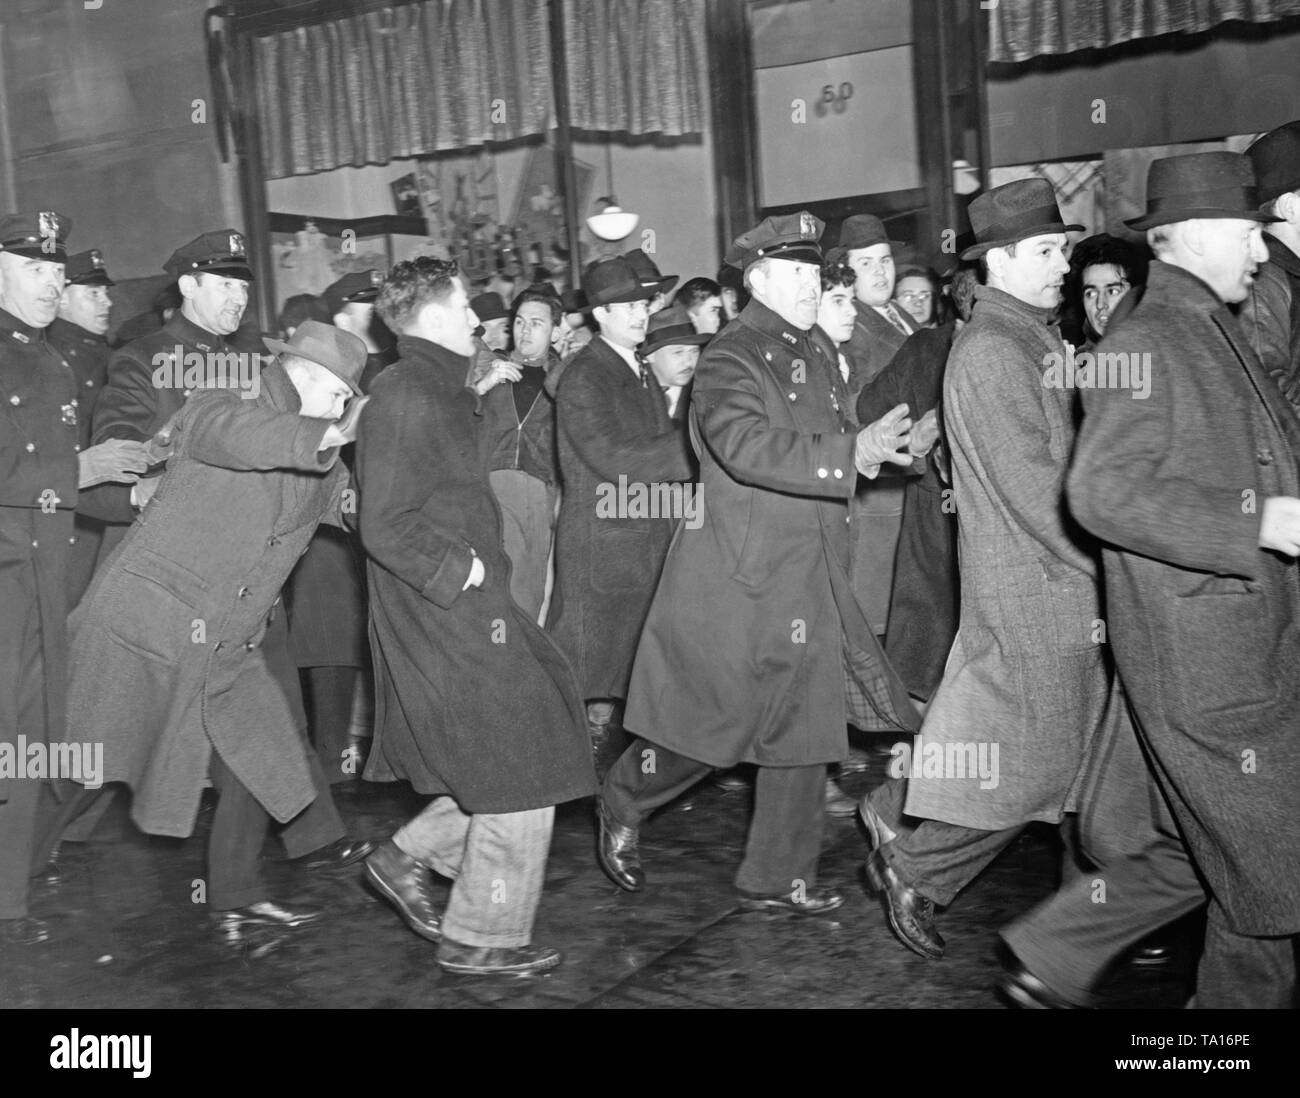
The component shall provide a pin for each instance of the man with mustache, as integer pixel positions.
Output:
(612, 422)
(43, 464)
(1026, 673)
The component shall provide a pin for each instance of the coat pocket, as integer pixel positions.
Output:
(1224, 648)
(154, 608)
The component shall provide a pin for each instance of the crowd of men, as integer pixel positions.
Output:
(828, 491)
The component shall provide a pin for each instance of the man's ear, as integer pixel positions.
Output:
(1288, 206)
(188, 285)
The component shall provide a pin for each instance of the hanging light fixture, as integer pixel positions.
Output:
(611, 222)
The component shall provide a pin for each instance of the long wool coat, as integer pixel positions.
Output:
(1205, 625)
(755, 649)
(179, 648)
(472, 698)
(1026, 671)
(610, 425)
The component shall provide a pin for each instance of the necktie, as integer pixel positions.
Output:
(897, 320)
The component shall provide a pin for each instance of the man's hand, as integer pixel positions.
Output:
(499, 371)
(925, 433)
(476, 573)
(119, 459)
(344, 429)
(886, 440)
(159, 448)
(1279, 525)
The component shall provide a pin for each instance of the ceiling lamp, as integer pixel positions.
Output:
(611, 222)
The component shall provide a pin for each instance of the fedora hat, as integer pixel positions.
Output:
(1200, 185)
(340, 352)
(671, 328)
(860, 231)
(1276, 159)
(610, 281)
(647, 271)
(1012, 212)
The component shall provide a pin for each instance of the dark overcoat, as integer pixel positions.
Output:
(38, 494)
(755, 649)
(610, 425)
(1204, 624)
(1026, 672)
(87, 355)
(473, 700)
(924, 597)
(1270, 316)
(179, 648)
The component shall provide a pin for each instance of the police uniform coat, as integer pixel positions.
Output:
(179, 647)
(755, 649)
(87, 354)
(1271, 317)
(1204, 624)
(1026, 670)
(610, 424)
(38, 495)
(473, 699)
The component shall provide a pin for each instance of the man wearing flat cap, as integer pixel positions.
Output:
(180, 663)
(43, 464)
(612, 429)
(351, 303)
(1025, 685)
(651, 278)
(755, 649)
(1271, 312)
(78, 334)
(1194, 493)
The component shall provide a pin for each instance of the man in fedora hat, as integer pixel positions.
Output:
(613, 428)
(1194, 493)
(1025, 684)
(651, 278)
(672, 350)
(755, 649)
(1271, 314)
(179, 660)
(879, 330)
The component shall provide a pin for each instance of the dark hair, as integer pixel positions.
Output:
(837, 274)
(411, 285)
(696, 291)
(169, 297)
(732, 278)
(961, 289)
(302, 307)
(550, 300)
(1099, 250)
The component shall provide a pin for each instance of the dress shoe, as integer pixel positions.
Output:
(1025, 990)
(468, 960)
(732, 781)
(52, 874)
(340, 853)
(408, 886)
(617, 851)
(837, 803)
(1153, 953)
(911, 915)
(878, 831)
(265, 913)
(817, 901)
(25, 931)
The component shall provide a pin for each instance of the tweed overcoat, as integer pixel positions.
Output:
(1204, 624)
(610, 425)
(755, 649)
(473, 699)
(1026, 671)
(179, 647)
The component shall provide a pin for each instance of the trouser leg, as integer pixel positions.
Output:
(1242, 972)
(1070, 939)
(785, 835)
(55, 818)
(319, 824)
(22, 712)
(239, 828)
(17, 834)
(436, 836)
(329, 692)
(647, 776)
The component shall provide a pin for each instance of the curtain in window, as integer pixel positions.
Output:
(1021, 29)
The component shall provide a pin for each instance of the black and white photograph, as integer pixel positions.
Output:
(652, 505)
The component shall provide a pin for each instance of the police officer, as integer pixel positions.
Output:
(351, 303)
(42, 465)
(79, 335)
(753, 625)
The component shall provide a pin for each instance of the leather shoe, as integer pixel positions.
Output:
(340, 853)
(817, 901)
(408, 886)
(1025, 990)
(24, 931)
(911, 915)
(837, 803)
(878, 831)
(734, 780)
(468, 960)
(1152, 953)
(617, 851)
(265, 913)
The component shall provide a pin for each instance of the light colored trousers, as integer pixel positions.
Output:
(528, 509)
(497, 861)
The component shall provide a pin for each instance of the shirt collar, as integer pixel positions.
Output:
(627, 355)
